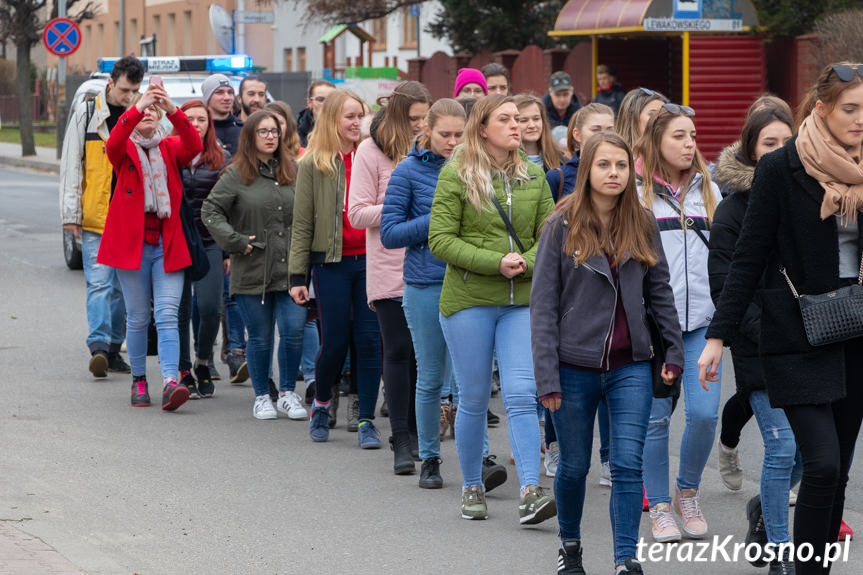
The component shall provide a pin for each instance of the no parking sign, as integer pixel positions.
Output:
(61, 36)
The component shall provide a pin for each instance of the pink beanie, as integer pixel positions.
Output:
(468, 76)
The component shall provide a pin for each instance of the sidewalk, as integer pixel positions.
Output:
(23, 554)
(45, 159)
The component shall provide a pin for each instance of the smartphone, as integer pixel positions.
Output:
(156, 81)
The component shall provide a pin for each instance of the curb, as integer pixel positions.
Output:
(30, 163)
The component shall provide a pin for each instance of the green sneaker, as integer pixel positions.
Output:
(473, 503)
(536, 506)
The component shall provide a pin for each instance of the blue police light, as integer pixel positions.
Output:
(229, 64)
(162, 65)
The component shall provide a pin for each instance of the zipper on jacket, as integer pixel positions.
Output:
(508, 190)
(606, 350)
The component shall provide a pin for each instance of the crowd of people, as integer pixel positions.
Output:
(438, 246)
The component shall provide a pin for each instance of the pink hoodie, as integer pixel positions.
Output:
(369, 178)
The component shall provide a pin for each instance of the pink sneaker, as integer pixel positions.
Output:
(662, 524)
(686, 505)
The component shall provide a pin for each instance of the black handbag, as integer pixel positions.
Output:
(660, 390)
(833, 316)
(200, 264)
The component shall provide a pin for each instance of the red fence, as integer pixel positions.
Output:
(9, 109)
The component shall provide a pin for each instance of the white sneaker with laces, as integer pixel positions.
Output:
(263, 408)
(605, 474)
(291, 405)
(552, 458)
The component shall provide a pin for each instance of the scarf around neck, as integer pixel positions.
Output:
(154, 172)
(826, 160)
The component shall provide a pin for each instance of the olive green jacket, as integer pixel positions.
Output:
(318, 207)
(233, 212)
(472, 244)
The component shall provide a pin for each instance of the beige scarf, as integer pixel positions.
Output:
(829, 162)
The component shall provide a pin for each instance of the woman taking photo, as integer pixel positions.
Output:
(486, 291)
(675, 185)
(802, 219)
(199, 177)
(405, 224)
(393, 131)
(536, 140)
(144, 237)
(589, 120)
(249, 213)
(324, 242)
(590, 274)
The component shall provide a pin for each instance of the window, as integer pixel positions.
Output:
(132, 36)
(289, 59)
(187, 36)
(379, 31)
(117, 48)
(171, 35)
(409, 29)
(301, 59)
(100, 36)
(157, 23)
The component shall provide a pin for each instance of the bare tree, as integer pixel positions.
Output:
(22, 22)
(350, 11)
(839, 36)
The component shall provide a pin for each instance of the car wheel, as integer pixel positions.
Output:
(72, 251)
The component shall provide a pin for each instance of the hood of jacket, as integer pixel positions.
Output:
(732, 172)
(373, 128)
(426, 156)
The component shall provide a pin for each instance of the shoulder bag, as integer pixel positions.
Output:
(660, 390)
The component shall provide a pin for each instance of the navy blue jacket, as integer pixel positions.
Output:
(406, 214)
(570, 172)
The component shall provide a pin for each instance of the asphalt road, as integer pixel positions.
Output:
(209, 489)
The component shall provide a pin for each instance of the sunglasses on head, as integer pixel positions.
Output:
(846, 73)
(652, 94)
(677, 109)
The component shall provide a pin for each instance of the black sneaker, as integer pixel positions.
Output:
(116, 363)
(174, 395)
(274, 391)
(492, 419)
(569, 559)
(430, 477)
(756, 532)
(310, 393)
(187, 379)
(493, 473)
(237, 367)
(140, 395)
(99, 364)
(630, 567)
(205, 381)
(403, 462)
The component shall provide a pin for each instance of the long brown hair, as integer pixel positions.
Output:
(291, 137)
(547, 147)
(246, 159)
(827, 88)
(627, 122)
(213, 154)
(631, 232)
(649, 151)
(394, 134)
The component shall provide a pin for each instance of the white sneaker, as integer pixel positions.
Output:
(792, 498)
(263, 408)
(291, 405)
(605, 474)
(552, 458)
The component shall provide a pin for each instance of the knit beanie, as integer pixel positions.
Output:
(468, 76)
(213, 83)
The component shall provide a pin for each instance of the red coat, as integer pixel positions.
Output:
(123, 239)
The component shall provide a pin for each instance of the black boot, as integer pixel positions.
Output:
(756, 532)
(403, 462)
(782, 565)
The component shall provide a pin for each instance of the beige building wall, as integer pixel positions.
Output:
(182, 29)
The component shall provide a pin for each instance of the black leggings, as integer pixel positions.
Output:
(735, 415)
(826, 435)
(399, 364)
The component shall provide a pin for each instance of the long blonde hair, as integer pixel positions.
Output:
(477, 168)
(648, 149)
(324, 141)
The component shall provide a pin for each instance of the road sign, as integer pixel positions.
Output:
(691, 25)
(253, 17)
(414, 10)
(61, 36)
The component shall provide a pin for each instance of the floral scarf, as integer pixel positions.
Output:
(154, 172)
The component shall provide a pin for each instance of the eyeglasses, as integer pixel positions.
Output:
(652, 94)
(265, 133)
(846, 73)
(677, 109)
(318, 99)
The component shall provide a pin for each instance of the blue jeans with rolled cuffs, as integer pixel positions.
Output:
(702, 414)
(106, 310)
(472, 336)
(627, 391)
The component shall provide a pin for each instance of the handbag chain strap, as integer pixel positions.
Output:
(794, 290)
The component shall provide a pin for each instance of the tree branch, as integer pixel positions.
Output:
(350, 11)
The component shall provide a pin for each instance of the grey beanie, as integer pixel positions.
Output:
(213, 83)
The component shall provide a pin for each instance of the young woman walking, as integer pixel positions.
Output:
(144, 237)
(597, 253)
(486, 291)
(803, 219)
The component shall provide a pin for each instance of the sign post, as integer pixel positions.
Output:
(61, 37)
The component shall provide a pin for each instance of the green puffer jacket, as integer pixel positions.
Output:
(317, 234)
(233, 212)
(472, 244)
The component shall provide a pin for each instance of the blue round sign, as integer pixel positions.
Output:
(61, 36)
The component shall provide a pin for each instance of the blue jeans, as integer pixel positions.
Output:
(311, 347)
(165, 289)
(627, 391)
(261, 318)
(602, 419)
(780, 450)
(236, 329)
(434, 365)
(702, 413)
(346, 320)
(204, 306)
(472, 336)
(106, 311)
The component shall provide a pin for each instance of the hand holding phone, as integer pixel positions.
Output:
(156, 81)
